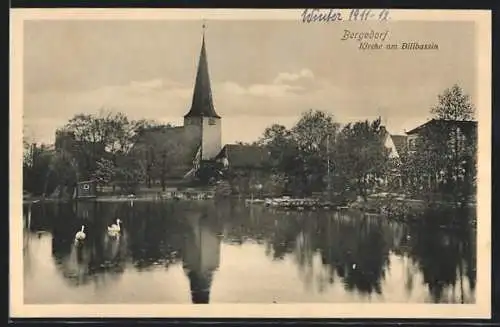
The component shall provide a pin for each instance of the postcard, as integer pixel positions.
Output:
(250, 163)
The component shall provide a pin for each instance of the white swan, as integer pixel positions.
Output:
(80, 235)
(114, 229)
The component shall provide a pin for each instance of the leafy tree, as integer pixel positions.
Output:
(96, 140)
(427, 161)
(312, 129)
(105, 172)
(275, 135)
(361, 157)
(88, 146)
(461, 152)
(301, 153)
(64, 171)
(283, 148)
(27, 153)
(144, 153)
(446, 150)
(315, 136)
(84, 137)
(119, 132)
(36, 166)
(128, 173)
(453, 104)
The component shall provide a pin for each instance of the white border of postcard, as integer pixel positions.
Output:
(482, 307)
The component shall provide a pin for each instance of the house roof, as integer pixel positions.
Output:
(245, 156)
(465, 124)
(202, 104)
(399, 142)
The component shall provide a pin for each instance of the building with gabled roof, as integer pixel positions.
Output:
(466, 130)
(399, 143)
(465, 125)
(396, 144)
(198, 140)
(453, 140)
(240, 156)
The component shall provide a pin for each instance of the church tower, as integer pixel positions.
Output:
(202, 116)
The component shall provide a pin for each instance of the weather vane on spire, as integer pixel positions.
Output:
(204, 26)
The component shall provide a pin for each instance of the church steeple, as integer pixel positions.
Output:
(200, 284)
(202, 104)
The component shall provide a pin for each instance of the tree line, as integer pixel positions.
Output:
(99, 147)
(317, 154)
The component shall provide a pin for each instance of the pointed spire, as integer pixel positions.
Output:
(202, 104)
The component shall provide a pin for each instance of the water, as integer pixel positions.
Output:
(227, 252)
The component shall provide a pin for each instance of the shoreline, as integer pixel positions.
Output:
(155, 198)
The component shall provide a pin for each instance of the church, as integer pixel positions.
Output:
(198, 143)
(202, 121)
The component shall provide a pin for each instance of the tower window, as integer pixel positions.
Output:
(211, 121)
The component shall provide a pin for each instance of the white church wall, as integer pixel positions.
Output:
(211, 137)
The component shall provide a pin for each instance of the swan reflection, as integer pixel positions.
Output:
(205, 252)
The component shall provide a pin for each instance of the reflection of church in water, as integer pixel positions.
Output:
(201, 255)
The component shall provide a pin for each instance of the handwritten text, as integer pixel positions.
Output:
(319, 15)
(336, 15)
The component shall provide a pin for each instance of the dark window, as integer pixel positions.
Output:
(411, 145)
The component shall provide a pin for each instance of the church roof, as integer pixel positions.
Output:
(179, 146)
(202, 104)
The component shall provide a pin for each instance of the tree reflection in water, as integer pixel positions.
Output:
(357, 248)
(353, 250)
(157, 236)
(327, 248)
(357, 251)
(444, 256)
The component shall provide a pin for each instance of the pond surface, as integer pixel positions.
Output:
(226, 252)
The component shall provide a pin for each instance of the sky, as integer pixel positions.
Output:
(262, 72)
